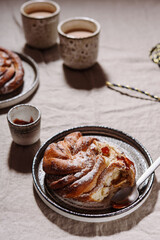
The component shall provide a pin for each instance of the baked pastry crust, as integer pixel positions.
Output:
(86, 169)
(11, 71)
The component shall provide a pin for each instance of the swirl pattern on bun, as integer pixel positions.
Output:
(11, 71)
(86, 169)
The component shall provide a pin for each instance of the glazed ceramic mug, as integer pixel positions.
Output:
(79, 39)
(24, 123)
(40, 19)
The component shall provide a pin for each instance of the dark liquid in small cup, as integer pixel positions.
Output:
(22, 122)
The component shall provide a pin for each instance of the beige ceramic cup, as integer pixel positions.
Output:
(28, 132)
(79, 38)
(40, 19)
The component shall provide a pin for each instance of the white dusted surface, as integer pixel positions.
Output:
(69, 98)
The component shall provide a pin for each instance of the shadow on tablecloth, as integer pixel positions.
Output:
(96, 77)
(101, 229)
(87, 79)
(21, 157)
(46, 55)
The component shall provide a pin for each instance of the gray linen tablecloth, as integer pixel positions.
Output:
(66, 98)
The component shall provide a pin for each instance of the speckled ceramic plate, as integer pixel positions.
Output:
(95, 213)
(31, 80)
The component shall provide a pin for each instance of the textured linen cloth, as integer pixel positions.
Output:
(66, 98)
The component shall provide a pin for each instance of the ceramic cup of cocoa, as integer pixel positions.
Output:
(40, 19)
(24, 124)
(79, 40)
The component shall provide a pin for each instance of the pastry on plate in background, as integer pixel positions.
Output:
(11, 71)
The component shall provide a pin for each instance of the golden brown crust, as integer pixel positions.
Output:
(85, 183)
(58, 183)
(11, 71)
(125, 178)
(85, 168)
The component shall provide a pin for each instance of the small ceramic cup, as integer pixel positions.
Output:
(79, 38)
(24, 123)
(40, 19)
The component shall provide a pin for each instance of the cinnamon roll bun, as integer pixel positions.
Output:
(11, 71)
(86, 169)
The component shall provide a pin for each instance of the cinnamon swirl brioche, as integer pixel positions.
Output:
(86, 169)
(11, 71)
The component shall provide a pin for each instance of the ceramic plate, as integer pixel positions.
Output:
(31, 80)
(95, 213)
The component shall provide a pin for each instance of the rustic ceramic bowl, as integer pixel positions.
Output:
(79, 52)
(40, 32)
(27, 133)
